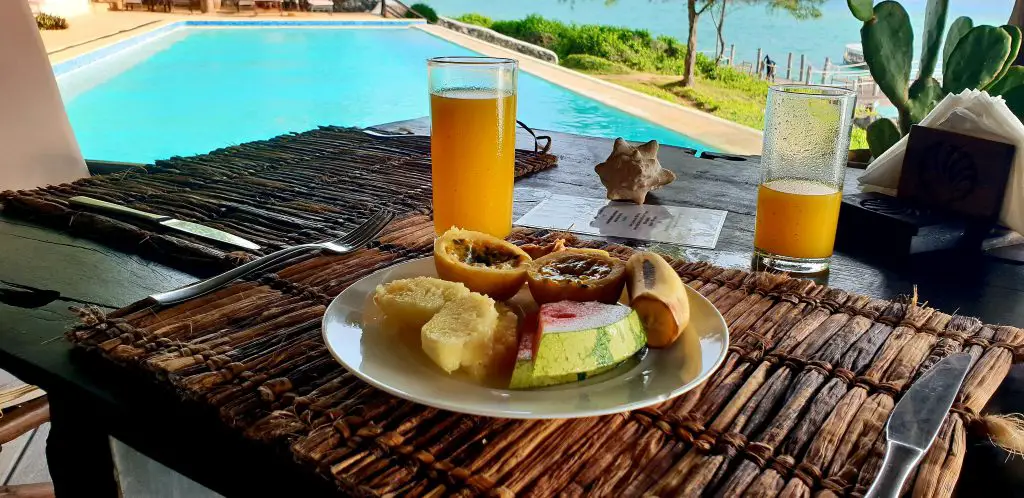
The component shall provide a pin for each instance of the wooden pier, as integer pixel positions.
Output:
(798, 69)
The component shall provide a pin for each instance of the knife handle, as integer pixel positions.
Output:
(899, 460)
(110, 207)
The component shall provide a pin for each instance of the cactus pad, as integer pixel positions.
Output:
(1014, 33)
(924, 94)
(1013, 78)
(882, 134)
(977, 59)
(888, 43)
(861, 9)
(1015, 101)
(934, 28)
(957, 30)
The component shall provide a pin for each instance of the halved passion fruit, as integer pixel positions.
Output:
(576, 276)
(484, 263)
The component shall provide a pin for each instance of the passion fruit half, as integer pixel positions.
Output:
(576, 276)
(484, 263)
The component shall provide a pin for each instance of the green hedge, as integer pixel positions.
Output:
(633, 48)
(424, 10)
(47, 21)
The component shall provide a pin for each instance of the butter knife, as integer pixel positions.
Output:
(195, 229)
(915, 422)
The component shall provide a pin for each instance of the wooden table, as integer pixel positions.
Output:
(91, 399)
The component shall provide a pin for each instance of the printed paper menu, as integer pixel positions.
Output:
(667, 224)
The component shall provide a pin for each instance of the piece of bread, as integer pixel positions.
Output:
(411, 302)
(460, 334)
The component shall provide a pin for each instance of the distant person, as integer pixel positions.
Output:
(769, 68)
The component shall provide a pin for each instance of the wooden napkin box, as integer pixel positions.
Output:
(950, 192)
(882, 225)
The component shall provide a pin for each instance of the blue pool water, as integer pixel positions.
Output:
(197, 89)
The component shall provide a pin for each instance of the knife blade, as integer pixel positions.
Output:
(915, 421)
(194, 229)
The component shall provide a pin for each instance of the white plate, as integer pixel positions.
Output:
(353, 331)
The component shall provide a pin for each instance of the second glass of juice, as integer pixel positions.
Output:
(803, 163)
(473, 142)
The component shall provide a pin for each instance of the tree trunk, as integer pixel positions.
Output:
(1017, 19)
(691, 43)
(721, 39)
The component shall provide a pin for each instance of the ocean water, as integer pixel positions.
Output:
(746, 26)
(198, 89)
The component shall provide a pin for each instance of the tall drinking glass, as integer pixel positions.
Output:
(806, 138)
(473, 142)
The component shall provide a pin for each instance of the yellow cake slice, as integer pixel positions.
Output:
(460, 333)
(504, 346)
(411, 302)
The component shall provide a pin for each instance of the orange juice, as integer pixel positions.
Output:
(797, 218)
(472, 146)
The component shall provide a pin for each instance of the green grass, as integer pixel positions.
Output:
(593, 64)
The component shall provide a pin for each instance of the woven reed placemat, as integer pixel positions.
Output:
(292, 189)
(797, 408)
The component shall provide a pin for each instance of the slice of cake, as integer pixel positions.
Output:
(504, 343)
(460, 333)
(411, 302)
(574, 340)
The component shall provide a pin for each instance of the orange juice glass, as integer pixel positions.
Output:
(472, 142)
(803, 163)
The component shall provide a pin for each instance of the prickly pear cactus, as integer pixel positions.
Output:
(972, 57)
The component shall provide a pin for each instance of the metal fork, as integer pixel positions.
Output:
(347, 243)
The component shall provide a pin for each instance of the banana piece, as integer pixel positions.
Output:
(658, 296)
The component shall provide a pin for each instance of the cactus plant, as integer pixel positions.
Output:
(978, 57)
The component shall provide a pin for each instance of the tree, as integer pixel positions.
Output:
(694, 9)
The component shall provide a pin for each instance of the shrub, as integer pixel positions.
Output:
(47, 21)
(423, 10)
(593, 64)
(633, 48)
(477, 19)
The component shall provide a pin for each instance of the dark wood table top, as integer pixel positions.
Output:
(43, 272)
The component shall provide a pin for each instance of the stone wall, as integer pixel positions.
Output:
(355, 5)
(499, 39)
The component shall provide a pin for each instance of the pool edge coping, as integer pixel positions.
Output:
(149, 31)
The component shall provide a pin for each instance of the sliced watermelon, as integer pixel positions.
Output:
(572, 341)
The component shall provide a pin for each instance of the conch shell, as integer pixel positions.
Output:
(630, 172)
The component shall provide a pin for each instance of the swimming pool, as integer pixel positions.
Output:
(195, 89)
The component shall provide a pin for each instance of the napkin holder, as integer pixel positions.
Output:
(950, 193)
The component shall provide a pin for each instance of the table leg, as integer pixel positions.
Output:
(78, 453)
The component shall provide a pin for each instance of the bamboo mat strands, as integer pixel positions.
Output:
(798, 407)
(289, 190)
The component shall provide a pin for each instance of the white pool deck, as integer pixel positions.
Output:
(102, 28)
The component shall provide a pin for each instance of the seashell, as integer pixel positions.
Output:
(630, 172)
